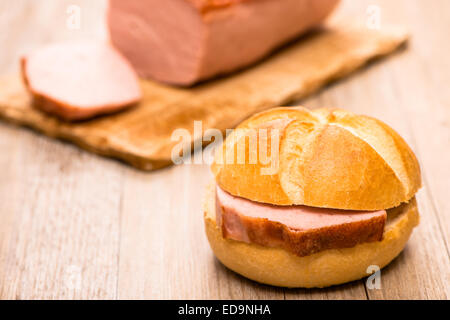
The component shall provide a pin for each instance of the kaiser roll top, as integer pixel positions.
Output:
(321, 158)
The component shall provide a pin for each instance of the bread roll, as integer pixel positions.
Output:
(327, 158)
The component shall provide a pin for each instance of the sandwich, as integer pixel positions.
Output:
(311, 198)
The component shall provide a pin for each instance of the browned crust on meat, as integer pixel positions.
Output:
(208, 5)
(302, 243)
(63, 110)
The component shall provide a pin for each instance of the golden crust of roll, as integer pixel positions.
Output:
(328, 158)
(279, 267)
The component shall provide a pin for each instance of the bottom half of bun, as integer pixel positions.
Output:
(278, 267)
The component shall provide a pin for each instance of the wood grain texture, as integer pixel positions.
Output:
(142, 136)
(74, 225)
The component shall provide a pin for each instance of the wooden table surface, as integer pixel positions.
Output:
(75, 225)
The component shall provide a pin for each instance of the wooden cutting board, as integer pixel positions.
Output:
(141, 136)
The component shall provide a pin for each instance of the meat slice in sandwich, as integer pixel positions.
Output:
(80, 80)
(185, 41)
(340, 198)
